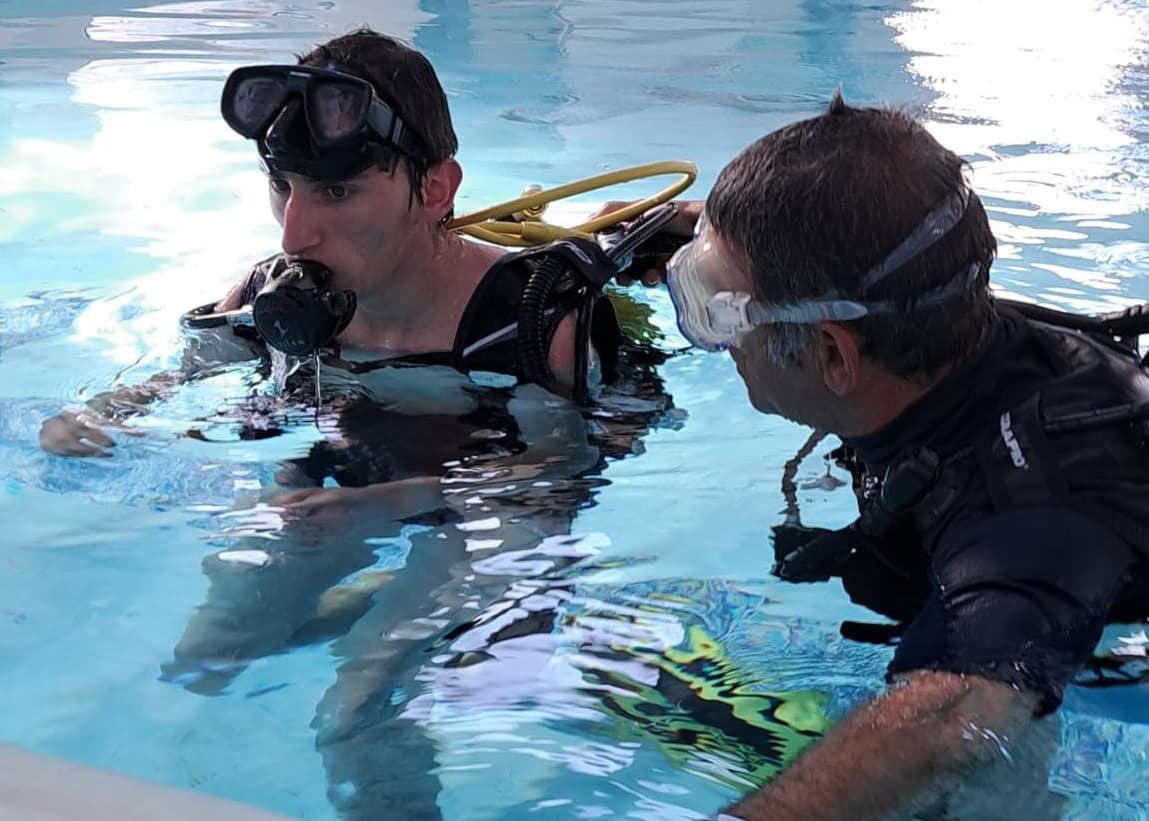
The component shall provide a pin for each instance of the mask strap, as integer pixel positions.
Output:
(936, 224)
(843, 310)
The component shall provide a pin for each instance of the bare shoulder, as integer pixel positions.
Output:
(234, 296)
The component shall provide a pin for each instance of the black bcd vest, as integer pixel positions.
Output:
(1077, 439)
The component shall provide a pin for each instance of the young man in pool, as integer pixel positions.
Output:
(359, 150)
(358, 146)
(844, 263)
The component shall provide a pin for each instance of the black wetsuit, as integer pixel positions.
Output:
(1015, 592)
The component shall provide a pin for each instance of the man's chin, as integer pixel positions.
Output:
(770, 409)
(761, 405)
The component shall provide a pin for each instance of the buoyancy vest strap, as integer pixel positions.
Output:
(1123, 327)
(490, 335)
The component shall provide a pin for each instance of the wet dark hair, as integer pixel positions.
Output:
(404, 79)
(813, 206)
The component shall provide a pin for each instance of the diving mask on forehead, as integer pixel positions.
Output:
(319, 122)
(714, 319)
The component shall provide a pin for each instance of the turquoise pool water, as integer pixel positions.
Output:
(124, 200)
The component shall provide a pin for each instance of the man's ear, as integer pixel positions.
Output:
(439, 186)
(838, 353)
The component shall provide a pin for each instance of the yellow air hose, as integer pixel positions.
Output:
(503, 224)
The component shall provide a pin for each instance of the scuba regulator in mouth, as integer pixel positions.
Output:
(296, 314)
(293, 311)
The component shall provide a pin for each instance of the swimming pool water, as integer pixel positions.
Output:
(125, 200)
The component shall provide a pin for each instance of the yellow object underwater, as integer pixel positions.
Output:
(705, 719)
(502, 224)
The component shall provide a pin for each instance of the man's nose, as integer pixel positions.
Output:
(302, 231)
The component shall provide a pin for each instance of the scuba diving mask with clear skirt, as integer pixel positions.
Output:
(715, 319)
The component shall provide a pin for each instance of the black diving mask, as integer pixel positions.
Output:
(319, 122)
(294, 312)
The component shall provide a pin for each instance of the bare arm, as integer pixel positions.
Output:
(83, 432)
(202, 351)
(1014, 593)
(561, 356)
(897, 751)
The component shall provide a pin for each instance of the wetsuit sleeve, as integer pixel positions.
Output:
(1019, 596)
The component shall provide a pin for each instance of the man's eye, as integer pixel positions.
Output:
(279, 185)
(338, 192)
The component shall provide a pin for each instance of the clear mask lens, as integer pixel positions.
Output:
(688, 278)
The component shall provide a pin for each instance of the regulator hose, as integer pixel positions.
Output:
(570, 276)
(534, 320)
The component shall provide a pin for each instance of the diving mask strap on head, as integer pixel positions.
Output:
(935, 225)
(714, 321)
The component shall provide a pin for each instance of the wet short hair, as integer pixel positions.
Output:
(813, 206)
(404, 79)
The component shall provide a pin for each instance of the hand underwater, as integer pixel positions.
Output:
(342, 506)
(80, 433)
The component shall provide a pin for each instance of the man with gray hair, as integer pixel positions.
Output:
(999, 449)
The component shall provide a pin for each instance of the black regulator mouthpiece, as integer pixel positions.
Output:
(296, 313)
